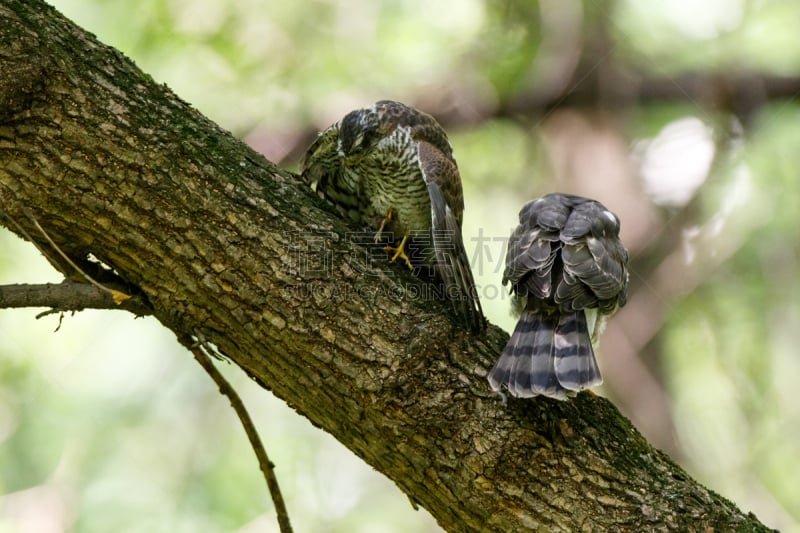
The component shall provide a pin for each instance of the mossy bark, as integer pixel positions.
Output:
(223, 244)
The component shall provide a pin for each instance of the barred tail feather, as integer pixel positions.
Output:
(575, 364)
(527, 365)
(548, 356)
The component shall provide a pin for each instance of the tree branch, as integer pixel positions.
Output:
(221, 242)
(198, 349)
(68, 296)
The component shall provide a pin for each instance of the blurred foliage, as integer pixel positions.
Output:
(731, 345)
(107, 424)
(723, 35)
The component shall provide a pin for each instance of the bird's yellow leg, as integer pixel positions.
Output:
(389, 216)
(400, 252)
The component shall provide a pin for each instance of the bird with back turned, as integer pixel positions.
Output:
(568, 273)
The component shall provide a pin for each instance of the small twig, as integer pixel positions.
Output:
(25, 233)
(52, 312)
(267, 467)
(118, 296)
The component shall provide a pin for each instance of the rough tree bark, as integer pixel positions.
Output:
(217, 241)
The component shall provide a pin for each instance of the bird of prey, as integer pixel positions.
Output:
(568, 274)
(391, 167)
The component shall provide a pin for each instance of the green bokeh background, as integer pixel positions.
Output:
(107, 424)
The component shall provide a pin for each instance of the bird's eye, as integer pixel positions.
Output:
(363, 141)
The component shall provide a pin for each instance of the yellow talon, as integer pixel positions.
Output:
(400, 252)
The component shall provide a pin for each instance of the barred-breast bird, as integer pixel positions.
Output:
(391, 167)
(568, 274)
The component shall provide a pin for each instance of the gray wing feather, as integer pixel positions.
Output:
(451, 256)
(595, 273)
(451, 260)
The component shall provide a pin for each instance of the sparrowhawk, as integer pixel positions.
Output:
(568, 274)
(391, 168)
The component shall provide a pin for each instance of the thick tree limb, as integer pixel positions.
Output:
(218, 240)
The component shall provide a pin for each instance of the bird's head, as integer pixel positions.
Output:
(359, 132)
